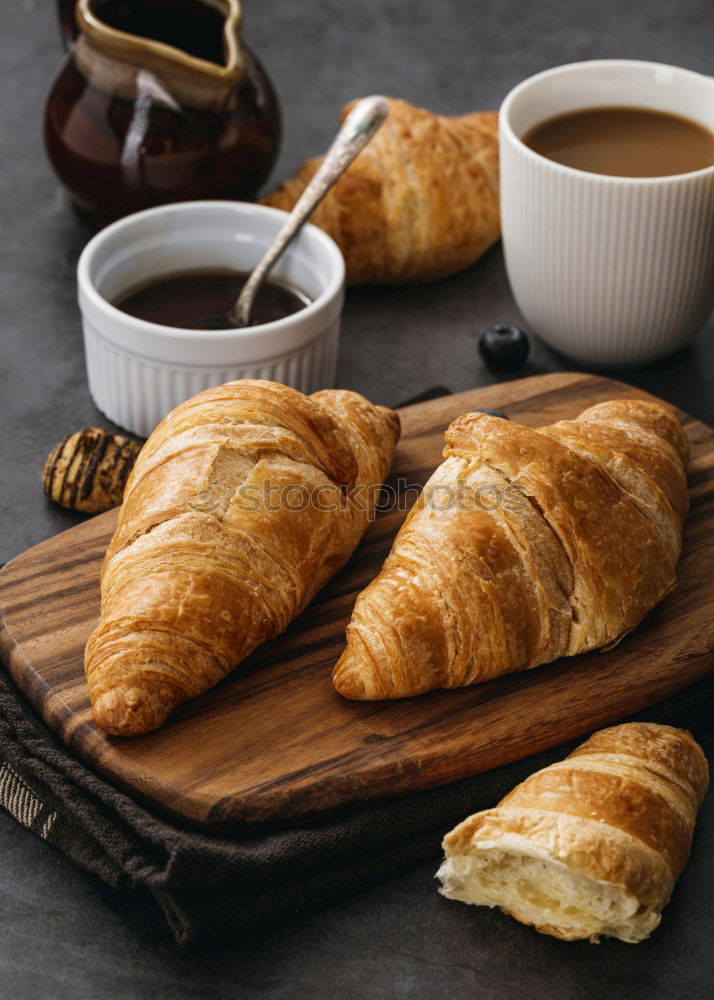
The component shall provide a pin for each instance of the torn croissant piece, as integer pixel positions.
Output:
(525, 545)
(591, 845)
(237, 512)
(419, 203)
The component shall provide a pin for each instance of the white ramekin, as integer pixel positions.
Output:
(139, 371)
(612, 271)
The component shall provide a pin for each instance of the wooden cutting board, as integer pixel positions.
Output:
(274, 742)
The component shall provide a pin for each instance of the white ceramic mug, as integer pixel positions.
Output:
(612, 271)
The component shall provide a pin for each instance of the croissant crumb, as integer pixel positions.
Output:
(88, 470)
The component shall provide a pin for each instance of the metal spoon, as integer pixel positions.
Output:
(360, 126)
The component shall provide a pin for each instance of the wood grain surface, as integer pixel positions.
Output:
(274, 742)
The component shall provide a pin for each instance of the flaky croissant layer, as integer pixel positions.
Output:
(243, 503)
(525, 545)
(419, 203)
(591, 845)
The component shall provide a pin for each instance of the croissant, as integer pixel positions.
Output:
(419, 203)
(590, 845)
(243, 502)
(524, 546)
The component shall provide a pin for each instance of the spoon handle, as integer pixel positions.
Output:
(360, 125)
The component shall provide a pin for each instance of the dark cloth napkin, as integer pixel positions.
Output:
(204, 883)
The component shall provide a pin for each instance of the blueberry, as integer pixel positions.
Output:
(492, 413)
(503, 348)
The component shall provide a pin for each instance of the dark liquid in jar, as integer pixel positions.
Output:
(190, 25)
(202, 300)
(624, 142)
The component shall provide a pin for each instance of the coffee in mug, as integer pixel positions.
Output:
(624, 142)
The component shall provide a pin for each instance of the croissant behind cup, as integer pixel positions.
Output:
(419, 203)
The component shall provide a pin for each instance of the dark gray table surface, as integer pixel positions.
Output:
(65, 935)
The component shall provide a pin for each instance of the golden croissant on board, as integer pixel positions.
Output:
(590, 845)
(419, 203)
(238, 510)
(524, 546)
